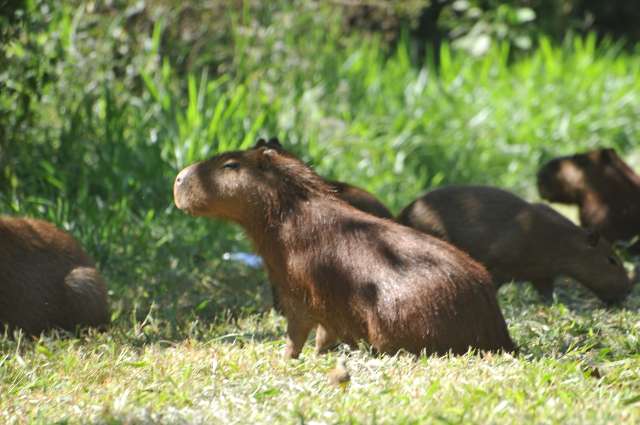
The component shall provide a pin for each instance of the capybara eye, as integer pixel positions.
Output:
(232, 165)
(612, 261)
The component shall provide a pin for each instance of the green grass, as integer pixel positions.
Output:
(97, 115)
(578, 364)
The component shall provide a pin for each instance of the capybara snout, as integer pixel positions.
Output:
(186, 190)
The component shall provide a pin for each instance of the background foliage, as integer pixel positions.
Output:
(103, 102)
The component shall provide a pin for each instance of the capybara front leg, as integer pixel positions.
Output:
(324, 340)
(544, 288)
(297, 333)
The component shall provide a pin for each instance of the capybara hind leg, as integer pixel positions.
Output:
(86, 297)
(325, 340)
(297, 333)
(544, 288)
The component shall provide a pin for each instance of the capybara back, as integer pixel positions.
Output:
(517, 240)
(47, 280)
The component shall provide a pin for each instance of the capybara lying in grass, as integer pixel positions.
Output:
(517, 240)
(46, 279)
(604, 187)
(358, 276)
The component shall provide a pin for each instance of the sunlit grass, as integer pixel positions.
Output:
(578, 364)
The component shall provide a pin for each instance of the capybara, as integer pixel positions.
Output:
(358, 276)
(46, 279)
(604, 187)
(516, 240)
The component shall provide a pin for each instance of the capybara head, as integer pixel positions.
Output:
(602, 270)
(567, 179)
(238, 185)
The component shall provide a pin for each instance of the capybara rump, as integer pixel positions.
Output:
(46, 279)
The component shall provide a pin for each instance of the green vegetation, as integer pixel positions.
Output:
(99, 109)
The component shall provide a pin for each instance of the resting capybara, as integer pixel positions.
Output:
(46, 279)
(358, 276)
(516, 240)
(606, 190)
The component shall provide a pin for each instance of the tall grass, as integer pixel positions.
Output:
(94, 134)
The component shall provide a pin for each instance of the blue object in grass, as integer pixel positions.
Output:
(246, 258)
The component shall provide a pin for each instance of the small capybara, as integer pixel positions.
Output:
(517, 240)
(46, 279)
(358, 276)
(604, 187)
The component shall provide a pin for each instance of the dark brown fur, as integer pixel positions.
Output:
(360, 199)
(517, 240)
(604, 187)
(353, 195)
(46, 279)
(358, 276)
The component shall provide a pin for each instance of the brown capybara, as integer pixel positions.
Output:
(357, 276)
(604, 187)
(46, 279)
(516, 240)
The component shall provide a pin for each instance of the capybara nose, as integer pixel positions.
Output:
(181, 187)
(183, 176)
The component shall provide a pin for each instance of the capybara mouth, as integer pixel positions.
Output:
(183, 203)
(187, 207)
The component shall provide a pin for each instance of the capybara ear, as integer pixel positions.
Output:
(274, 142)
(593, 237)
(608, 154)
(260, 143)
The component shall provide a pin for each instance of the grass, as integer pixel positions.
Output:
(97, 115)
(578, 364)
